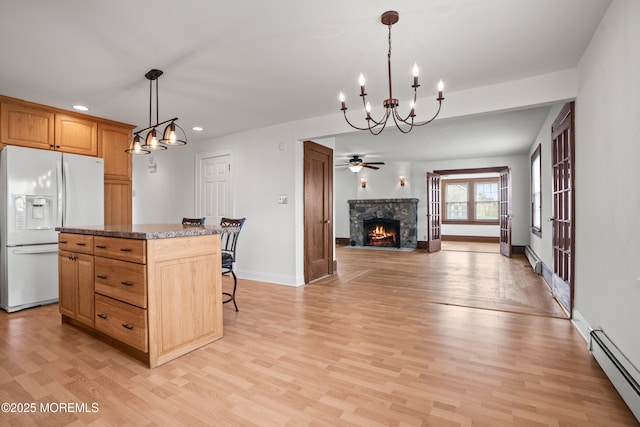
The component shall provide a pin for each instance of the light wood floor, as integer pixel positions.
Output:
(363, 347)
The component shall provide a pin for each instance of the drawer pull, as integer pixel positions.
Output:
(101, 247)
(64, 242)
(127, 326)
(126, 249)
(101, 276)
(102, 316)
(81, 244)
(127, 283)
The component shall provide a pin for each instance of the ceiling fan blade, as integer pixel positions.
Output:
(374, 163)
(368, 165)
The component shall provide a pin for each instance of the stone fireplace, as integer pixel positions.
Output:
(384, 223)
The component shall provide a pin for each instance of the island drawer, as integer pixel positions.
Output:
(82, 243)
(122, 321)
(124, 249)
(122, 280)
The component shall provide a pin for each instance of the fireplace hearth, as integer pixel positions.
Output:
(381, 232)
(398, 218)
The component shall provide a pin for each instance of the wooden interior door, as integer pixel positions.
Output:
(318, 211)
(505, 212)
(563, 146)
(434, 212)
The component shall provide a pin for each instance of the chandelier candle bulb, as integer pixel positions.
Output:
(342, 101)
(361, 80)
(416, 71)
(440, 89)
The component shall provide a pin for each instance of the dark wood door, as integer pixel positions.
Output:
(505, 212)
(318, 211)
(563, 146)
(434, 212)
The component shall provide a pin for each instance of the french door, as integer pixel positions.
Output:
(434, 212)
(563, 154)
(505, 213)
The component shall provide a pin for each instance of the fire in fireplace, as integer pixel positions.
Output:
(381, 232)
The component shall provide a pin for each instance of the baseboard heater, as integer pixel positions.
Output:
(536, 263)
(624, 376)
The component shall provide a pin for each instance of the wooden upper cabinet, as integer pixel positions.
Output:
(113, 140)
(76, 135)
(26, 126)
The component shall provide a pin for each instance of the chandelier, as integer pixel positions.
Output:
(391, 104)
(173, 135)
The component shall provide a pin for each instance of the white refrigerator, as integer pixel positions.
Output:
(41, 190)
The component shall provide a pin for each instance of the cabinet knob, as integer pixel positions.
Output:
(127, 326)
(102, 316)
(127, 283)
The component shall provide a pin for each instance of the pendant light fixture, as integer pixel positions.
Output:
(173, 135)
(391, 104)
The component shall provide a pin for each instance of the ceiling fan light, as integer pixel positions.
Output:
(355, 168)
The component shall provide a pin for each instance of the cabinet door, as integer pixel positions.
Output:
(85, 295)
(67, 283)
(113, 140)
(76, 135)
(26, 126)
(117, 202)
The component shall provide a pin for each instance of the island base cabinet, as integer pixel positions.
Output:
(154, 298)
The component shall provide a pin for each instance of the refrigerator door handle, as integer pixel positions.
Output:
(48, 249)
(66, 179)
(60, 193)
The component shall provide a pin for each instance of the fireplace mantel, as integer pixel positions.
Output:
(403, 210)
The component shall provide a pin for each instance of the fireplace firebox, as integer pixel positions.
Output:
(381, 232)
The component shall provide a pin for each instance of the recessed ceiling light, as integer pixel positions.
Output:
(198, 128)
(80, 107)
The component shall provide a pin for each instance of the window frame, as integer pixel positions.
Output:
(471, 203)
(536, 228)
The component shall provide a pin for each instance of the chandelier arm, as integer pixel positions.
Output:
(351, 124)
(405, 120)
(382, 122)
(432, 118)
(400, 128)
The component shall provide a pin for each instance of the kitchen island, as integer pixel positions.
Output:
(152, 290)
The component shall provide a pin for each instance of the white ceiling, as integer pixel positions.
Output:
(232, 66)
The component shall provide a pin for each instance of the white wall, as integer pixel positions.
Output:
(607, 276)
(543, 245)
(269, 162)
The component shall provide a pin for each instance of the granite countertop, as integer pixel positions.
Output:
(144, 231)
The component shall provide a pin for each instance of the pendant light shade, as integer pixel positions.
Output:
(152, 143)
(173, 135)
(136, 146)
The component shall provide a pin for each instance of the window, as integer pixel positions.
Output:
(536, 201)
(471, 201)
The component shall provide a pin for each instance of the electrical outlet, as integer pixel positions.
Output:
(283, 199)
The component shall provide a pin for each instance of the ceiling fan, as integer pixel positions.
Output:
(356, 163)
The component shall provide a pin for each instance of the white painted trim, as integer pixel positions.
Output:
(276, 279)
